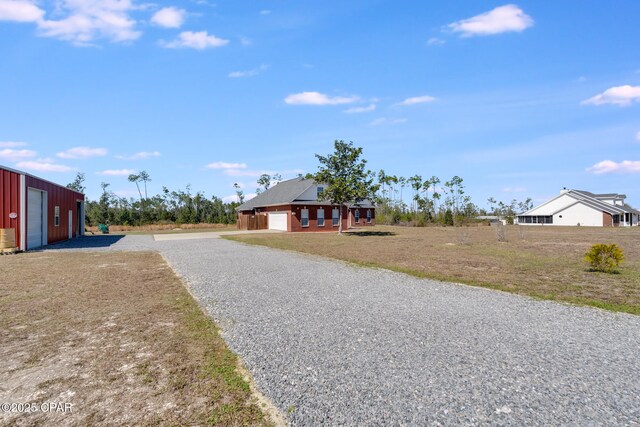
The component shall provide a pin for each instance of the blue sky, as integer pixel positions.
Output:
(519, 99)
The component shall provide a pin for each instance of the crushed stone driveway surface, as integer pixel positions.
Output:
(336, 344)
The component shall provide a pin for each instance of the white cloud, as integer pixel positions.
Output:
(417, 100)
(88, 20)
(116, 172)
(169, 17)
(225, 165)
(435, 41)
(257, 173)
(12, 144)
(20, 11)
(246, 172)
(265, 12)
(618, 95)
(234, 197)
(514, 190)
(127, 193)
(637, 137)
(245, 41)
(195, 40)
(353, 110)
(386, 121)
(248, 73)
(43, 166)
(502, 19)
(11, 155)
(82, 153)
(140, 155)
(609, 166)
(317, 98)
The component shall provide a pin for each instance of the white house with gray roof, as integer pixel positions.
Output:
(578, 207)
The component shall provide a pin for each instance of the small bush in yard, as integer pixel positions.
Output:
(606, 258)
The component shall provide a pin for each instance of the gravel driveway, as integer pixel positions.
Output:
(331, 343)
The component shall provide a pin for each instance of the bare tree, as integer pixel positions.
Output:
(239, 192)
(144, 177)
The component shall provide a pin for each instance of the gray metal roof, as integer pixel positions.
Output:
(587, 198)
(282, 193)
(631, 209)
(19, 172)
(602, 196)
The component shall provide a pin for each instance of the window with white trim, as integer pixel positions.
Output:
(320, 217)
(304, 218)
(335, 217)
(56, 216)
(319, 192)
(356, 215)
(368, 216)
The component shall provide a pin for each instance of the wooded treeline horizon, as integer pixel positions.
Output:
(432, 201)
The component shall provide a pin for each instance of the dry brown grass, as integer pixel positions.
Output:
(164, 228)
(543, 262)
(118, 336)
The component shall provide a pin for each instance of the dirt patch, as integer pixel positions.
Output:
(118, 338)
(544, 262)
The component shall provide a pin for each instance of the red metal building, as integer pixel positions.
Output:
(39, 211)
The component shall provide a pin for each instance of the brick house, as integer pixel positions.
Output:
(294, 205)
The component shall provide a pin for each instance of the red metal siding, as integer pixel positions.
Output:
(60, 196)
(10, 201)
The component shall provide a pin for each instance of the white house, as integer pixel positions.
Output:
(577, 207)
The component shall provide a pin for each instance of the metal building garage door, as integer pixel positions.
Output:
(278, 221)
(35, 233)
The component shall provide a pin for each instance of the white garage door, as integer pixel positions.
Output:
(278, 221)
(35, 233)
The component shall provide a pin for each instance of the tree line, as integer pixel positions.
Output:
(170, 206)
(431, 201)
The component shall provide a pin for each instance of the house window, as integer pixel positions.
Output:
(368, 216)
(319, 192)
(320, 217)
(56, 216)
(304, 218)
(356, 214)
(335, 217)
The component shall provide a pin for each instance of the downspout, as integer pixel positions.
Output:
(23, 213)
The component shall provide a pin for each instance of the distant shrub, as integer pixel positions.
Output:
(605, 258)
(501, 232)
(448, 217)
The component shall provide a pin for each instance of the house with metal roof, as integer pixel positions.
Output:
(297, 205)
(579, 207)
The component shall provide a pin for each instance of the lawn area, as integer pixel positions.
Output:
(165, 228)
(118, 337)
(543, 262)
